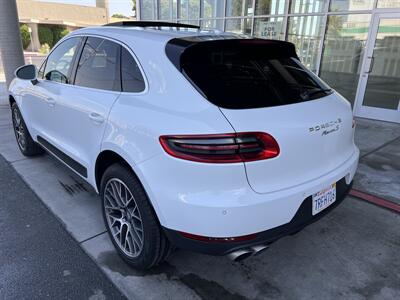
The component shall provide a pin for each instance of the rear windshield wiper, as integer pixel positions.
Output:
(309, 93)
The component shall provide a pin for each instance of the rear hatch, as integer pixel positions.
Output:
(261, 86)
(314, 137)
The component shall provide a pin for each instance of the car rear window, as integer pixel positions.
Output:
(240, 74)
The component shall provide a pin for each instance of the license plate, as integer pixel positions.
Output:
(323, 199)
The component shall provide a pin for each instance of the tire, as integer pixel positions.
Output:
(145, 245)
(25, 142)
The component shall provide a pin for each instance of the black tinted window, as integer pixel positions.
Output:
(250, 76)
(132, 79)
(98, 66)
(59, 63)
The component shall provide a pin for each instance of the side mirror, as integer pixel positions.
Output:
(27, 72)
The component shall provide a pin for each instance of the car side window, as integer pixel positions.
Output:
(59, 63)
(99, 65)
(132, 79)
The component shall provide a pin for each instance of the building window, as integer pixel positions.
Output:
(388, 3)
(212, 9)
(148, 10)
(237, 8)
(343, 52)
(167, 9)
(189, 9)
(270, 7)
(348, 5)
(307, 6)
(191, 22)
(306, 33)
(213, 24)
(269, 28)
(239, 26)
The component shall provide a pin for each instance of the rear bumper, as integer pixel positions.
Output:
(216, 200)
(301, 219)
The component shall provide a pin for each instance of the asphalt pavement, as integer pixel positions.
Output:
(38, 258)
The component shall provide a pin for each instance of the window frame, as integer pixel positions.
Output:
(73, 62)
(75, 71)
(121, 44)
(120, 71)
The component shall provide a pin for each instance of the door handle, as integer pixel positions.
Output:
(97, 118)
(50, 101)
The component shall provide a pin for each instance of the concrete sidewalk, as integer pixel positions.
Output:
(379, 170)
(351, 253)
(3, 93)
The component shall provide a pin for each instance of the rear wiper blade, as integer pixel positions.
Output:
(308, 93)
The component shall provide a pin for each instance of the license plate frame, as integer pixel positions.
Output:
(323, 199)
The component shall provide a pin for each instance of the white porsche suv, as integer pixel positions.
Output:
(201, 140)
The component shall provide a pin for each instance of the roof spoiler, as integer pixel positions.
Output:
(151, 24)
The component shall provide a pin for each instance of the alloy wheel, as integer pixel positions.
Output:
(19, 129)
(123, 217)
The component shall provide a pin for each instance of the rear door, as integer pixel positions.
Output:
(83, 107)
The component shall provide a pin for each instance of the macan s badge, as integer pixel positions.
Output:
(335, 124)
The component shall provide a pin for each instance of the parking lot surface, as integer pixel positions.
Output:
(38, 258)
(352, 253)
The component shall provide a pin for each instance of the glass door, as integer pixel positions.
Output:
(378, 95)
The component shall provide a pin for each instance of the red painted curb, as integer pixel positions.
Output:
(376, 200)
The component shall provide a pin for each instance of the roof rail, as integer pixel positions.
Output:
(151, 24)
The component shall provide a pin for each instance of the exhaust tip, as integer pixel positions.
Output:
(259, 249)
(240, 255)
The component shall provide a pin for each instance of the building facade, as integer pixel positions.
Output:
(34, 13)
(354, 45)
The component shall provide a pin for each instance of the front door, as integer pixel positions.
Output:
(378, 95)
(82, 107)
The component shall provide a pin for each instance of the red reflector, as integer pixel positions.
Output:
(208, 239)
(221, 148)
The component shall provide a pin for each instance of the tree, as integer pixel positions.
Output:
(25, 35)
(64, 32)
(134, 5)
(57, 33)
(45, 35)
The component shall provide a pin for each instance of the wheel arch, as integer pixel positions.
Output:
(11, 100)
(105, 159)
(108, 157)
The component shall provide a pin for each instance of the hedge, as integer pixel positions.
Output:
(25, 36)
(45, 35)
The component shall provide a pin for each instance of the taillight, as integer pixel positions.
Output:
(221, 148)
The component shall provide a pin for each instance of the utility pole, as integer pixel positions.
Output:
(11, 52)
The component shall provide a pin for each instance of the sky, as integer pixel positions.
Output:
(116, 6)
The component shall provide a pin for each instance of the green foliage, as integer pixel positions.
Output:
(119, 16)
(44, 49)
(25, 36)
(45, 35)
(57, 33)
(64, 32)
